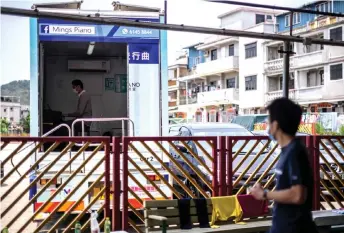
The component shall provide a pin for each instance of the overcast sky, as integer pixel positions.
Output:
(15, 54)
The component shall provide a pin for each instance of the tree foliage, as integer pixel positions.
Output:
(25, 123)
(19, 88)
(4, 125)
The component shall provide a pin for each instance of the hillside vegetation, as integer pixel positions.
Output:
(19, 88)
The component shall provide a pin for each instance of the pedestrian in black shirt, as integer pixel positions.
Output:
(294, 182)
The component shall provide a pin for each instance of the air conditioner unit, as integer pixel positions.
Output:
(89, 65)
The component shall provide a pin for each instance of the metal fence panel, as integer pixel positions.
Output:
(53, 184)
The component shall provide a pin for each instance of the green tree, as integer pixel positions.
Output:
(319, 129)
(25, 123)
(4, 124)
(341, 130)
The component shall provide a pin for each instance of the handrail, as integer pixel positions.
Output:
(50, 132)
(44, 135)
(56, 128)
(83, 120)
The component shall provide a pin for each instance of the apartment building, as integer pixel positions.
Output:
(316, 71)
(230, 75)
(11, 109)
(176, 89)
(210, 91)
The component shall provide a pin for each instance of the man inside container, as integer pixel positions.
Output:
(294, 182)
(83, 108)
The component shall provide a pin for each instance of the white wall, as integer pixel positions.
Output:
(241, 20)
(250, 19)
(60, 97)
(233, 21)
(252, 66)
(333, 51)
(332, 88)
(7, 113)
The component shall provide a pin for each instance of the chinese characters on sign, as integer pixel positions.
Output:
(137, 56)
(143, 54)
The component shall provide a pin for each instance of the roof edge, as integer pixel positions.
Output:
(55, 4)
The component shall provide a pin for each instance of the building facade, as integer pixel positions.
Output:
(214, 66)
(231, 75)
(11, 109)
(316, 71)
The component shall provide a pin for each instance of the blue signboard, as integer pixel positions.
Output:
(60, 30)
(143, 54)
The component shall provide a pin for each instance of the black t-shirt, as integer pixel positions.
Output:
(293, 168)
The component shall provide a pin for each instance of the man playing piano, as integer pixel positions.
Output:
(83, 109)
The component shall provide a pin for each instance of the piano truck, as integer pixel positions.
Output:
(124, 69)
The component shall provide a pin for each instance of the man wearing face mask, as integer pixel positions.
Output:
(293, 194)
(84, 106)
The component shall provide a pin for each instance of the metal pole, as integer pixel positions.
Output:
(187, 93)
(170, 27)
(286, 65)
(277, 8)
(286, 59)
(165, 7)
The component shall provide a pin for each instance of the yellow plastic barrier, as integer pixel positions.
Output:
(308, 128)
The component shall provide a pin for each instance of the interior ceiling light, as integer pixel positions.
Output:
(91, 48)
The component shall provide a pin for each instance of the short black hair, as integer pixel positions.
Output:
(77, 82)
(287, 114)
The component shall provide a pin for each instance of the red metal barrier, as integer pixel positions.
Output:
(65, 170)
(235, 163)
(116, 163)
(218, 184)
(313, 146)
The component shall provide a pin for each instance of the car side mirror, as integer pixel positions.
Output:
(183, 149)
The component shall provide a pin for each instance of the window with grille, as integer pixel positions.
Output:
(321, 73)
(231, 50)
(336, 72)
(251, 50)
(336, 34)
(213, 54)
(260, 18)
(230, 83)
(251, 83)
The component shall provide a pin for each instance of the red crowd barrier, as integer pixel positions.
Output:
(233, 163)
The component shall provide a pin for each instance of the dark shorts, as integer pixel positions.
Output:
(309, 227)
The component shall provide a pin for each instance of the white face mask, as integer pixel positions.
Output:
(74, 90)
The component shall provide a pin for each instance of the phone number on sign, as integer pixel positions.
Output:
(141, 32)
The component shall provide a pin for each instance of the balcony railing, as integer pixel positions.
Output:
(305, 94)
(172, 83)
(218, 66)
(310, 93)
(218, 96)
(172, 103)
(183, 100)
(270, 96)
(298, 61)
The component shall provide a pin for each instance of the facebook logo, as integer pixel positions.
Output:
(44, 28)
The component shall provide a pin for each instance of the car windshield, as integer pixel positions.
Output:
(174, 131)
(230, 132)
(237, 146)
